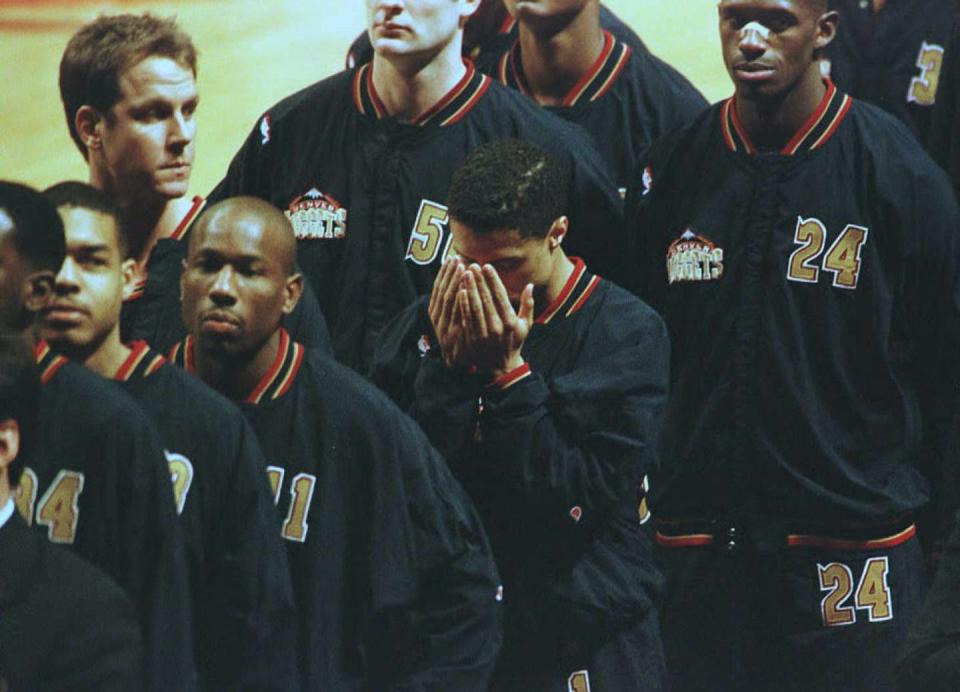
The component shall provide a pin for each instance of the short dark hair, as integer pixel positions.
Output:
(37, 228)
(72, 193)
(100, 51)
(508, 185)
(19, 396)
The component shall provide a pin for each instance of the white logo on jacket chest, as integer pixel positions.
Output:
(692, 257)
(317, 216)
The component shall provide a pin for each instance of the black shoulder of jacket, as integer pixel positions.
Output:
(303, 103)
(360, 405)
(218, 413)
(92, 402)
(617, 27)
(700, 135)
(535, 124)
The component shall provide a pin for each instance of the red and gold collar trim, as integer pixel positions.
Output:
(178, 233)
(817, 129)
(454, 105)
(141, 363)
(47, 361)
(276, 381)
(574, 294)
(136, 293)
(507, 25)
(592, 85)
(192, 212)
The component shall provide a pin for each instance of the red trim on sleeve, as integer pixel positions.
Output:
(508, 379)
(693, 540)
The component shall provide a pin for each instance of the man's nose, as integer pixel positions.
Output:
(753, 40)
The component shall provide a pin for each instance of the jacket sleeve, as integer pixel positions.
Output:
(932, 260)
(101, 648)
(254, 645)
(931, 656)
(579, 446)
(435, 619)
(152, 556)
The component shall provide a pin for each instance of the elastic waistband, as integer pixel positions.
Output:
(689, 533)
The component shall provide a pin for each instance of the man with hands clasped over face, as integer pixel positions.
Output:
(474, 319)
(542, 384)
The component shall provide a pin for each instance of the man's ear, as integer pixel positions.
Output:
(9, 442)
(88, 123)
(826, 29)
(292, 290)
(558, 231)
(38, 289)
(128, 270)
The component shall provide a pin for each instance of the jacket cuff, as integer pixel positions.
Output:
(510, 378)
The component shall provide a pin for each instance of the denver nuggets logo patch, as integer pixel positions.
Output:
(317, 216)
(693, 258)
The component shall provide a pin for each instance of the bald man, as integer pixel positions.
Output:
(241, 594)
(393, 577)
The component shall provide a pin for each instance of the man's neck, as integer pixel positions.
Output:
(146, 220)
(553, 64)
(563, 268)
(235, 377)
(771, 123)
(409, 86)
(106, 359)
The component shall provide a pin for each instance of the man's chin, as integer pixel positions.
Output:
(219, 346)
(66, 343)
(169, 190)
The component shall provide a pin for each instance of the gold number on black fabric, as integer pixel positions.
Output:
(428, 233)
(923, 89)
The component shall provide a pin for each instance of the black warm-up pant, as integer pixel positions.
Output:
(818, 614)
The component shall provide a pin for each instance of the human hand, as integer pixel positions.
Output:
(444, 312)
(493, 332)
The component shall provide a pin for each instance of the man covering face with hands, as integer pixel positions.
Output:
(543, 386)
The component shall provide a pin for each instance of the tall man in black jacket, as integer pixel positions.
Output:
(803, 251)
